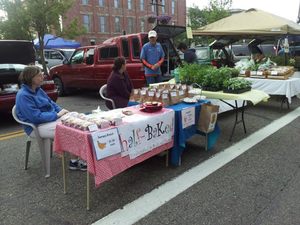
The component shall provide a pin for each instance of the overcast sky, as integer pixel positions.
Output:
(284, 8)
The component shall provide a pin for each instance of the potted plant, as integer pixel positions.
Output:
(236, 85)
(151, 19)
(186, 73)
(164, 19)
(213, 80)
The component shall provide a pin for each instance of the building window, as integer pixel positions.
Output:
(87, 22)
(142, 5)
(129, 3)
(130, 25)
(103, 24)
(101, 3)
(84, 2)
(142, 25)
(163, 8)
(117, 25)
(173, 7)
(152, 8)
(117, 3)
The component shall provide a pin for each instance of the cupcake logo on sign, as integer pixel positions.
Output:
(106, 143)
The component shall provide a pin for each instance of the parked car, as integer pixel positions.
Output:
(54, 57)
(90, 66)
(256, 46)
(14, 57)
(240, 51)
(217, 54)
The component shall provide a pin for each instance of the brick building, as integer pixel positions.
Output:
(107, 18)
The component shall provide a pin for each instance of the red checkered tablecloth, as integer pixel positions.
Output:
(77, 142)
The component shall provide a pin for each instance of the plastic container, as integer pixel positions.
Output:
(176, 75)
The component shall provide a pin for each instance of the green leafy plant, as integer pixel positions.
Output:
(214, 79)
(234, 72)
(236, 84)
(192, 73)
(282, 61)
(254, 67)
(206, 76)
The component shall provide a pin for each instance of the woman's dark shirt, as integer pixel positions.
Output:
(119, 87)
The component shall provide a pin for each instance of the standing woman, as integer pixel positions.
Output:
(119, 85)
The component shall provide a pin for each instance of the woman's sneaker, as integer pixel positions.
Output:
(82, 165)
(77, 165)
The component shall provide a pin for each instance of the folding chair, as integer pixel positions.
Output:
(102, 93)
(43, 143)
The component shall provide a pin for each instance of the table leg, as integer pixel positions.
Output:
(206, 141)
(64, 172)
(283, 100)
(179, 161)
(236, 110)
(87, 190)
(167, 158)
(243, 110)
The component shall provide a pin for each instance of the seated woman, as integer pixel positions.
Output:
(119, 85)
(34, 106)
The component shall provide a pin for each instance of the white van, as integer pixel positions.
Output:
(55, 57)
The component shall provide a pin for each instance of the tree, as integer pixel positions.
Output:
(216, 10)
(45, 17)
(40, 16)
(17, 24)
(74, 29)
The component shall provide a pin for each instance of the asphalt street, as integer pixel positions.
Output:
(259, 187)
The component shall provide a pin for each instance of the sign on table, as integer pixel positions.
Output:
(188, 117)
(106, 143)
(146, 134)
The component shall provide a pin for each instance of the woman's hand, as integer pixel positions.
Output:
(62, 112)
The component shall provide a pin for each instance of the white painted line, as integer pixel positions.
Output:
(141, 207)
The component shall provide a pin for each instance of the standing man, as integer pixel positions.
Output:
(189, 54)
(152, 56)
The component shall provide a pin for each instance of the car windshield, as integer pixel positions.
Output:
(202, 53)
(268, 49)
(68, 53)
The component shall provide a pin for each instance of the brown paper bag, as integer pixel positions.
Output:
(134, 96)
(157, 97)
(181, 94)
(208, 117)
(151, 95)
(143, 95)
(165, 99)
(174, 98)
(189, 88)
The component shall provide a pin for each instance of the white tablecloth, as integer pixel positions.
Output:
(288, 88)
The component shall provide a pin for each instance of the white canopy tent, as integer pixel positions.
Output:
(250, 23)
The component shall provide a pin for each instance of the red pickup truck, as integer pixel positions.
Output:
(90, 66)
